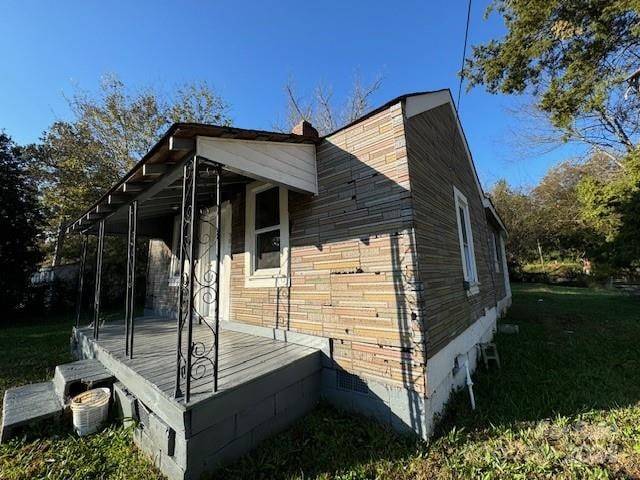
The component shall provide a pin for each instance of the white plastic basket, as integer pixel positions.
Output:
(90, 410)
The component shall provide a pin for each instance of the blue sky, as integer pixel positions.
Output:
(246, 51)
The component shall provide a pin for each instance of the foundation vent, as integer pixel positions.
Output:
(142, 412)
(350, 382)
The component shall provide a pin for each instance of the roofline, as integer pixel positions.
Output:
(376, 110)
(175, 127)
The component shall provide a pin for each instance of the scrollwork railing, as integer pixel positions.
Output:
(198, 299)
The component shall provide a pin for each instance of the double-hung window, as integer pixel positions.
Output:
(465, 236)
(266, 235)
(497, 254)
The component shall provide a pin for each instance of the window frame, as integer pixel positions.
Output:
(266, 277)
(495, 242)
(497, 248)
(471, 277)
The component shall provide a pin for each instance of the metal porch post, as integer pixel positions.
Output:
(96, 300)
(217, 285)
(192, 223)
(185, 289)
(83, 259)
(131, 278)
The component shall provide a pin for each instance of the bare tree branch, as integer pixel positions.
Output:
(321, 110)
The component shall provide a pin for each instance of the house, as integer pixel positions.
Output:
(363, 268)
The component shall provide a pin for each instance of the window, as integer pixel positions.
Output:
(267, 235)
(465, 236)
(495, 243)
(267, 229)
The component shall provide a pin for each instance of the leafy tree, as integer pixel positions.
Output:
(612, 208)
(80, 159)
(563, 227)
(522, 219)
(572, 57)
(20, 223)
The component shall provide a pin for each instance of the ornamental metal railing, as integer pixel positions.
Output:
(198, 291)
(199, 286)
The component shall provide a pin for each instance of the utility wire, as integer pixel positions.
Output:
(464, 53)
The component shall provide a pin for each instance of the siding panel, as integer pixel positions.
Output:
(437, 163)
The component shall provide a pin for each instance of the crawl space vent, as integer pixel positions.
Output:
(143, 414)
(350, 382)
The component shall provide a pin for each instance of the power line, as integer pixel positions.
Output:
(464, 53)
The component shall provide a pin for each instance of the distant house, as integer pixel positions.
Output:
(363, 268)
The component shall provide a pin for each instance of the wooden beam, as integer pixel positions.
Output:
(104, 209)
(129, 187)
(153, 170)
(125, 195)
(182, 144)
(116, 199)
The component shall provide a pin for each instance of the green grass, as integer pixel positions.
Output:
(29, 353)
(565, 405)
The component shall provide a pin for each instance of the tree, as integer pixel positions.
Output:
(572, 57)
(521, 218)
(126, 125)
(556, 198)
(612, 208)
(81, 158)
(20, 224)
(322, 111)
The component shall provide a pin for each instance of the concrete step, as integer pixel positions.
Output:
(27, 405)
(77, 377)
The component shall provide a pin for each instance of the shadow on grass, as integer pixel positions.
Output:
(576, 356)
(328, 443)
(577, 351)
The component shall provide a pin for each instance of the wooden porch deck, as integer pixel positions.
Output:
(242, 358)
(264, 384)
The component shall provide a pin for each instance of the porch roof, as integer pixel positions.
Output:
(244, 154)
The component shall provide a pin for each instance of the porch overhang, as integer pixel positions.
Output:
(283, 159)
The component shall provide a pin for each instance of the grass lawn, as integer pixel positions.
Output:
(566, 404)
(28, 354)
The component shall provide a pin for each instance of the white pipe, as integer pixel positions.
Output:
(470, 384)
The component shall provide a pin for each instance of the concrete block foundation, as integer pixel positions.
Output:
(238, 428)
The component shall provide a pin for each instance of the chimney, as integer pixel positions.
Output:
(305, 129)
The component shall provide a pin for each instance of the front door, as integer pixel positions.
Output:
(205, 271)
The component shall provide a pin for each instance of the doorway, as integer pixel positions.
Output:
(205, 270)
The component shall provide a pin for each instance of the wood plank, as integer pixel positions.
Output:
(150, 170)
(243, 357)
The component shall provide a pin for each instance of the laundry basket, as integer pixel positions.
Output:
(90, 410)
